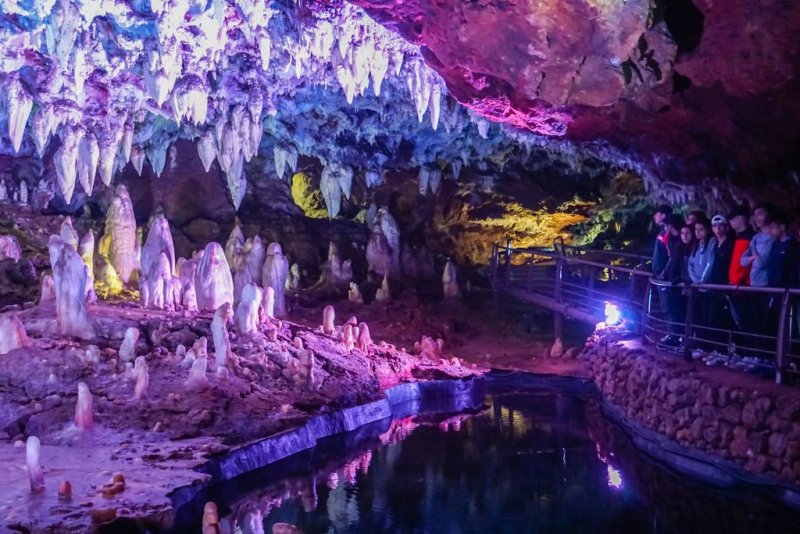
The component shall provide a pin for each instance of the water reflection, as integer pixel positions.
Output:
(528, 463)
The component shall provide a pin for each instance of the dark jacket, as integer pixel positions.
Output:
(720, 266)
(782, 263)
(660, 252)
(673, 271)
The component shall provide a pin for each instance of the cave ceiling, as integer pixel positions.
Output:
(699, 93)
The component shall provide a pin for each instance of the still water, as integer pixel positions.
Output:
(528, 462)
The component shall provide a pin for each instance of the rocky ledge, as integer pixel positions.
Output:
(747, 420)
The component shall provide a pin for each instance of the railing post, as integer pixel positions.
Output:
(648, 293)
(493, 267)
(780, 351)
(688, 331)
(558, 318)
(508, 262)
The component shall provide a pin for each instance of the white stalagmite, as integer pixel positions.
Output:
(66, 161)
(88, 157)
(84, 410)
(48, 293)
(219, 333)
(159, 239)
(363, 340)
(348, 338)
(383, 294)
(207, 149)
(70, 278)
(189, 297)
(121, 229)
(86, 252)
(213, 283)
(127, 350)
(20, 104)
(12, 334)
(197, 374)
(142, 373)
(449, 281)
(328, 318)
(269, 303)
(391, 230)
(9, 248)
(234, 246)
(32, 460)
(159, 285)
(274, 274)
(68, 233)
(248, 270)
(354, 294)
(379, 254)
(247, 310)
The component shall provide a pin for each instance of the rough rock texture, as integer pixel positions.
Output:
(688, 89)
(722, 412)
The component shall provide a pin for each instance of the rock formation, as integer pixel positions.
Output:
(12, 334)
(354, 294)
(450, 281)
(213, 283)
(328, 318)
(142, 374)
(159, 240)
(70, 280)
(9, 248)
(121, 232)
(383, 294)
(247, 310)
(127, 350)
(84, 410)
(219, 332)
(33, 462)
(276, 270)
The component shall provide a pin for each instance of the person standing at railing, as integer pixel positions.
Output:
(719, 313)
(782, 264)
(673, 272)
(756, 256)
(701, 261)
(739, 274)
(661, 250)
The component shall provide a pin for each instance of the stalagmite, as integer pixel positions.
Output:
(328, 318)
(269, 303)
(20, 104)
(189, 298)
(86, 251)
(159, 239)
(250, 264)
(383, 294)
(557, 350)
(127, 350)
(234, 246)
(197, 374)
(84, 411)
(379, 254)
(48, 292)
(219, 332)
(142, 373)
(247, 310)
(68, 233)
(348, 338)
(69, 276)
(363, 340)
(274, 274)
(449, 281)
(121, 229)
(354, 294)
(293, 280)
(9, 248)
(35, 473)
(12, 334)
(213, 283)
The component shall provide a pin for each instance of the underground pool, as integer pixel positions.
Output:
(528, 460)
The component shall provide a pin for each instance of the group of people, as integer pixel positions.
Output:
(755, 248)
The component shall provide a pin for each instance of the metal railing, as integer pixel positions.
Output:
(757, 329)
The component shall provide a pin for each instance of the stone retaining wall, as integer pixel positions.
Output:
(727, 413)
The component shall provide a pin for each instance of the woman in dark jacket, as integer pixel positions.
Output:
(673, 272)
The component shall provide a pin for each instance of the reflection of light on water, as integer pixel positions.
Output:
(614, 477)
